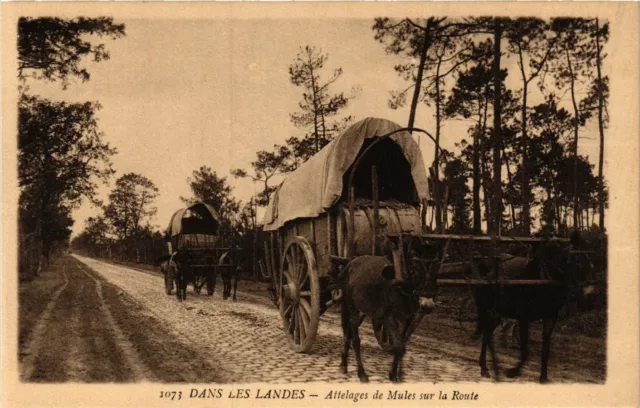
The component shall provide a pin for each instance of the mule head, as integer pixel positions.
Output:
(160, 261)
(410, 267)
(423, 270)
(573, 266)
(181, 257)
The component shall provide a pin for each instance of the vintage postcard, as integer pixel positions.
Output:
(320, 204)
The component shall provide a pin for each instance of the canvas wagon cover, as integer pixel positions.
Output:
(317, 184)
(205, 210)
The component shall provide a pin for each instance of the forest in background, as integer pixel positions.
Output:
(517, 171)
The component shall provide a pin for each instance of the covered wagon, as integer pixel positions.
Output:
(369, 181)
(195, 228)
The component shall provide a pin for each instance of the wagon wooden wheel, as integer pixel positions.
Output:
(299, 294)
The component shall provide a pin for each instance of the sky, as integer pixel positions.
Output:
(180, 94)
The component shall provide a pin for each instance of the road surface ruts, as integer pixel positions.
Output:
(99, 322)
(244, 340)
(92, 332)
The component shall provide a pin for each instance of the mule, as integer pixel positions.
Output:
(528, 303)
(229, 274)
(182, 273)
(167, 271)
(380, 287)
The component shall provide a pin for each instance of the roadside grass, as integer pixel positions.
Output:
(33, 297)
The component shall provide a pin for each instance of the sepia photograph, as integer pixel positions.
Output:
(343, 204)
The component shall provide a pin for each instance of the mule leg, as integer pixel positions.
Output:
(211, 282)
(484, 372)
(524, 352)
(185, 283)
(225, 285)
(346, 338)
(235, 286)
(547, 328)
(397, 338)
(494, 358)
(488, 326)
(354, 322)
(178, 284)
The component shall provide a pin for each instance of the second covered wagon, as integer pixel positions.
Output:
(195, 228)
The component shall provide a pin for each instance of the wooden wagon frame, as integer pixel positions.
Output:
(303, 254)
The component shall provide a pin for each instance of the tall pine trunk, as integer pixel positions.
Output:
(316, 109)
(477, 221)
(436, 160)
(526, 197)
(416, 89)
(576, 125)
(601, 197)
(497, 131)
(510, 179)
(486, 176)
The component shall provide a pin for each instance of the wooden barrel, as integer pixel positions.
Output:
(393, 219)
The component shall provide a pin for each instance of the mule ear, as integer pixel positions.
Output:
(388, 272)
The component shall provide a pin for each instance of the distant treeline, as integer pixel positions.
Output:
(526, 87)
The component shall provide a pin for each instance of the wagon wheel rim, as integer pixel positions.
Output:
(299, 294)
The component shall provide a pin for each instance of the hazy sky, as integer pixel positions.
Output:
(179, 94)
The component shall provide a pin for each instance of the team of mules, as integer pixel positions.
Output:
(396, 290)
(176, 270)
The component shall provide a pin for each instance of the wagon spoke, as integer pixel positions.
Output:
(303, 325)
(306, 306)
(300, 263)
(294, 261)
(296, 327)
(302, 275)
(305, 280)
(292, 322)
(289, 262)
(287, 275)
(287, 312)
(305, 293)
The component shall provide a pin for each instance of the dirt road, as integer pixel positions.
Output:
(104, 323)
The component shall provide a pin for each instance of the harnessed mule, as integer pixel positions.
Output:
(229, 274)
(392, 295)
(527, 303)
(178, 267)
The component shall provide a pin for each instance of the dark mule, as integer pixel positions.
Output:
(182, 273)
(381, 288)
(528, 303)
(229, 274)
(167, 270)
